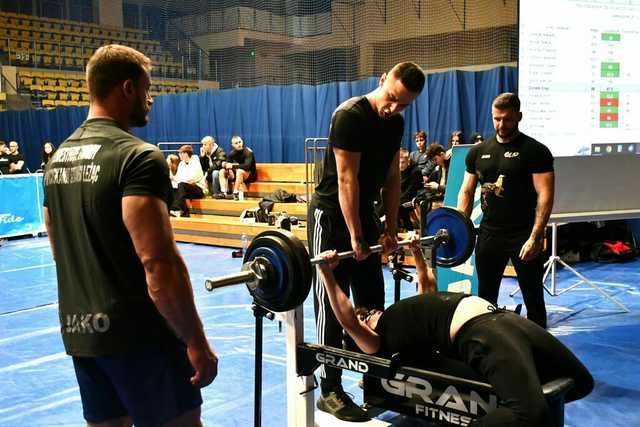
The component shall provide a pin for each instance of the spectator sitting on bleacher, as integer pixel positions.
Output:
(419, 157)
(191, 183)
(411, 185)
(437, 182)
(4, 158)
(47, 153)
(240, 167)
(211, 158)
(173, 161)
(16, 160)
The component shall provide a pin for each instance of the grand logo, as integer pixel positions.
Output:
(342, 362)
(442, 405)
(9, 218)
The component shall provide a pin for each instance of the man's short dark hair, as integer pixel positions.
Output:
(434, 150)
(507, 101)
(404, 151)
(186, 149)
(422, 134)
(112, 64)
(411, 76)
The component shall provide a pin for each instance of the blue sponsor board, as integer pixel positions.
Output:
(21, 199)
(461, 278)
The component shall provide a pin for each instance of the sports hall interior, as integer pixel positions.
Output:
(271, 71)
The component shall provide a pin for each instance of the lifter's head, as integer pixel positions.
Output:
(397, 89)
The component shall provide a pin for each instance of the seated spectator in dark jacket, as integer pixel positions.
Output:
(16, 160)
(419, 157)
(411, 185)
(47, 153)
(211, 158)
(476, 138)
(191, 183)
(240, 168)
(4, 158)
(437, 182)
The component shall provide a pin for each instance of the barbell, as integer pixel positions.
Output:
(278, 270)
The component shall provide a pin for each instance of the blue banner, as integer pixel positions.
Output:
(21, 199)
(461, 278)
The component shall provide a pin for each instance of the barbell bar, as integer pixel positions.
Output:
(254, 270)
(277, 268)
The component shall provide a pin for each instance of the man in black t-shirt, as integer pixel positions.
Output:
(240, 168)
(361, 161)
(511, 353)
(517, 181)
(16, 159)
(126, 307)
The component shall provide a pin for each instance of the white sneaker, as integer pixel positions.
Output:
(177, 214)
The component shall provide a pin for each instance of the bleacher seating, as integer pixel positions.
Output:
(217, 222)
(56, 52)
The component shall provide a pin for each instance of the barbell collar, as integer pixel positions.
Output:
(230, 279)
(441, 237)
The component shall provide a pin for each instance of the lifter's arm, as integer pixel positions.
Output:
(364, 337)
(168, 282)
(391, 202)
(47, 224)
(426, 278)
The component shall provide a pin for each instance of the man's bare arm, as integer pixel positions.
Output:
(347, 167)
(168, 282)
(467, 191)
(544, 184)
(425, 277)
(49, 227)
(391, 197)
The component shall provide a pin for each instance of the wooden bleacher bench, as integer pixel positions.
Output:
(217, 222)
(290, 177)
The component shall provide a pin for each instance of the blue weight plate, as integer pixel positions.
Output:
(462, 236)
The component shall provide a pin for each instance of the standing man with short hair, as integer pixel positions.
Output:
(16, 159)
(517, 184)
(361, 162)
(126, 305)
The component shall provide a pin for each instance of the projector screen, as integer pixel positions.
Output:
(579, 75)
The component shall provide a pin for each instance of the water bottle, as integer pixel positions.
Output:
(244, 242)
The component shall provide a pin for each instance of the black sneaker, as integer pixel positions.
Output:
(339, 404)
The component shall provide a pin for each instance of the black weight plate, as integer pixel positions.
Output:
(462, 236)
(301, 268)
(275, 291)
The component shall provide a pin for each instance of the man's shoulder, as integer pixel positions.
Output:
(530, 143)
(351, 105)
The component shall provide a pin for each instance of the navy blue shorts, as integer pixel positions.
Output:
(151, 385)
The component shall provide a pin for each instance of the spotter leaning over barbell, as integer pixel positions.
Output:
(516, 357)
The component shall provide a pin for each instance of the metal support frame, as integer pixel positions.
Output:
(551, 267)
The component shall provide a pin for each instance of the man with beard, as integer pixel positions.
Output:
(360, 165)
(517, 184)
(126, 306)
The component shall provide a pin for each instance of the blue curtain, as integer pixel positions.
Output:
(275, 120)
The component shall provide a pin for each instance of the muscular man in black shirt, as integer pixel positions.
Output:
(361, 162)
(515, 355)
(127, 313)
(516, 177)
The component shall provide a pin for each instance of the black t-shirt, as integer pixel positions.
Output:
(4, 163)
(508, 197)
(15, 158)
(245, 160)
(104, 306)
(418, 325)
(410, 183)
(356, 127)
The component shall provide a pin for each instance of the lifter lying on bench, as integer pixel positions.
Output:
(513, 354)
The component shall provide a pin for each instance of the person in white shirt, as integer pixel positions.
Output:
(190, 179)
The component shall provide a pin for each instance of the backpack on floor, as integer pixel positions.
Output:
(617, 251)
